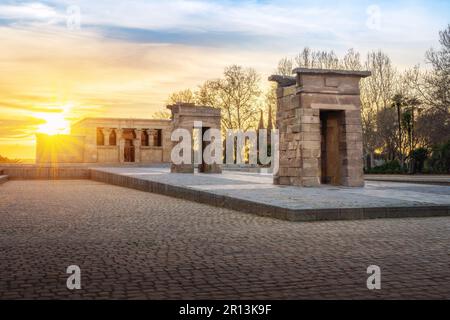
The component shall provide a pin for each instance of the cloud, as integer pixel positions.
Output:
(30, 14)
(31, 11)
(24, 127)
(264, 25)
(130, 55)
(42, 69)
(283, 26)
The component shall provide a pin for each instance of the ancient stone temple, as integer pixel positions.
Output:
(319, 122)
(108, 140)
(191, 117)
(125, 141)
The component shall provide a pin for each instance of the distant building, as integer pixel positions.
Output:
(108, 140)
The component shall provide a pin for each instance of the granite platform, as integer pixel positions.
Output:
(254, 193)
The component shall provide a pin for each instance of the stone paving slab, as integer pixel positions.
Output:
(255, 193)
(417, 178)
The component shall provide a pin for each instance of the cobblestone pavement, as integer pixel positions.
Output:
(132, 244)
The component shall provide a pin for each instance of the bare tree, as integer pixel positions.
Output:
(183, 96)
(438, 81)
(162, 114)
(317, 59)
(308, 58)
(351, 61)
(432, 88)
(304, 58)
(376, 94)
(271, 103)
(387, 138)
(237, 94)
(370, 137)
(399, 102)
(434, 123)
(380, 86)
(285, 67)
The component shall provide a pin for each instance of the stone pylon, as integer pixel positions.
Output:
(319, 122)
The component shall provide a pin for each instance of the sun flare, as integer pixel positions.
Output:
(54, 124)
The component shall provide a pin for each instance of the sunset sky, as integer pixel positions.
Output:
(128, 56)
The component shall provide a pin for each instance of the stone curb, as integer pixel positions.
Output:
(46, 173)
(429, 182)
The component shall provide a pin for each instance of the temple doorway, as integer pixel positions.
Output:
(129, 149)
(330, 156)
(203, 167)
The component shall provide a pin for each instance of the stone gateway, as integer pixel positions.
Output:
(187, 116)
(319, 122)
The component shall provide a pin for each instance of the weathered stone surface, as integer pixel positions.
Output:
(283, 81)
(304, 123)
(185, 115)
(83, 145)
(359, 74)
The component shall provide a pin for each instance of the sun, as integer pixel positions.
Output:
(54, 124)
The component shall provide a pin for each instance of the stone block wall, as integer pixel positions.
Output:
(184, 116)
(300, 101)
(299, 130)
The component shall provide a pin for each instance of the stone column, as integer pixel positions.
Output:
(106, 133)
(137, 145)
(150, 132)
(119, 135)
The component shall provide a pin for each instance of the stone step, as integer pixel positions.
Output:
(3, 178)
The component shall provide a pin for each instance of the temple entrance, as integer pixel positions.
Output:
(203, 167)
(330, 137)
(191, 117)
(321, 142)
(129, 151)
